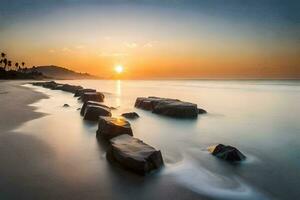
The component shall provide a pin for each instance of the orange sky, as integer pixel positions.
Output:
(169, 43)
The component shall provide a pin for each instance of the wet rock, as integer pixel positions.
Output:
(227, 153)
(80, 92)
(92, 96)
(95, 103)
(110, 127)
(66, 105)
(169, 107)
(93, 112)
(50, 85)
(70, 88)
(201, 111)
(176, 109)
(133, 154)
(131, 115)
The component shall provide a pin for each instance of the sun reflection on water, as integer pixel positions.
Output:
(118, 92)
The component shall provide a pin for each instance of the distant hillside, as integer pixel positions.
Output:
(62, 73)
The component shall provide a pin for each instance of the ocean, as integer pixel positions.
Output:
(260, 118)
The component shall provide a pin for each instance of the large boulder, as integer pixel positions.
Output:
(227, 153)
(92, 96)
(110, 127)
(176, 109)
(95, 103)
(92, 112)
(70, 88)
(80, 92)
(134, 154)
(130, 115)
(169, 107)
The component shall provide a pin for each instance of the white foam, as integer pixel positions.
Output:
(205, 182)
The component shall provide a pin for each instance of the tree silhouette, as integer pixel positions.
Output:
(9, 63)
(4, 62)
(2, 58)
(17, 65)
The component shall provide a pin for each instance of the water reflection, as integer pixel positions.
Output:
(118, 92)
(237, 116)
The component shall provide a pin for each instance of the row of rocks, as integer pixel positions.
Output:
(169, 107)
(84, 94)
(129, 152)
(124, 149)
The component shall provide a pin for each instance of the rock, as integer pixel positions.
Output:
(201, 111)
(80, 92)
(70, 88)
(66, 105)
(169, 107)
(227, 153)
(134, 154)
(92, 112)
(50, 85)
(92, 96)
(109, 127)
(95, 103)
(176, 109)
(131, 115)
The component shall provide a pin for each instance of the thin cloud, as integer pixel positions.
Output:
(131, 45)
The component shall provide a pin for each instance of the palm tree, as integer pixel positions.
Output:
(4, 62)
(9, 63)
(16, 65)
(2, 56)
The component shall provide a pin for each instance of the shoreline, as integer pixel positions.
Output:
(15, 104)
(32, 167)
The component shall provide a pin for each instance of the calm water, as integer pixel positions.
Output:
(261, 118)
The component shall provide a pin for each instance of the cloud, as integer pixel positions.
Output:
(148, 45)
(131, 45)
(79, 46)
(65, 49)
(51, 51)
(114, 54)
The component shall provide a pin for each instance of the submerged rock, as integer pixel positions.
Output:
(70, 88)
(131, 115)
(49, 84)
(228, 153)
(92, 96)
(134, 154)
(110, 127)
(169, 107)
(201, 111)
(93, 112)
(80, 92)
(95, 103)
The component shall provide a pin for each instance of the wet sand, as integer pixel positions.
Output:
(29, 168)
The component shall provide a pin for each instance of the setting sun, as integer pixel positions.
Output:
(119, 69)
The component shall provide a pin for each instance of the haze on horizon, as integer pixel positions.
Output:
(156, 39)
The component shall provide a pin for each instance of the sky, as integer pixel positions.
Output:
(156, 38)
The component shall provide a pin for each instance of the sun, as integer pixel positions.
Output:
(119, 69)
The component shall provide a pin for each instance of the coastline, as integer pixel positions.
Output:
(32, 168)
(15, 104)
(17, 149)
